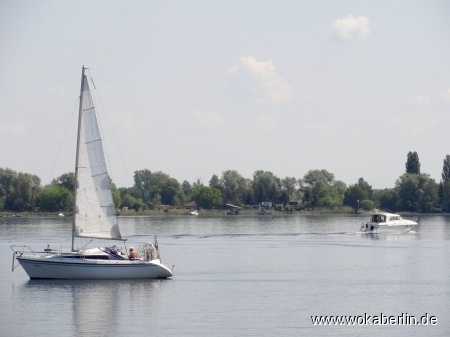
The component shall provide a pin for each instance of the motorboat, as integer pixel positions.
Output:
(384, 222)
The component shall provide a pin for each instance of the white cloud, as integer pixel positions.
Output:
(446, 96)
(258, 80)
(208, 119)
(15, 129)
(350, 27)
(418, 100)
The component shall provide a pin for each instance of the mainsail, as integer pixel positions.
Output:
(94, 206)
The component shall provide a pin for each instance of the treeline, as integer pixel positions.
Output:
(413, 191)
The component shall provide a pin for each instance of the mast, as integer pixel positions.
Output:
(80, 112)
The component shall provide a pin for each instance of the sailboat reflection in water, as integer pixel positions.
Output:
(94, 217)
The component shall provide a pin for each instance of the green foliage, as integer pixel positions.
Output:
(325, 195)
(413, 191)
(66, 180)
(360, 191)
(289, 188)
(214, 182)
(7, 181)
(366, 205)
(446, 169)
(321, 190)
(55, 198)
(157, 188)
(313, 177)
(266, 186)
(416, 193)
(233, 187)
(340, 188)
(129, 201)
(289, 209)
(412, 163)
(187, 189)
(207, 197)
(387, 199)
(116, 197)
(25, 192)
(446, 196)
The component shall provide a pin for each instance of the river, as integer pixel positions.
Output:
(241, 276)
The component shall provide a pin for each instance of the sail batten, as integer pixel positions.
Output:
(95, 211)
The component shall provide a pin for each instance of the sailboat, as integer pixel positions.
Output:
(94, 217)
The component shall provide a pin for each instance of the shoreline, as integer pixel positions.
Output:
(204, 213)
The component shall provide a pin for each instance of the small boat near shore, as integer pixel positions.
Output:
(384, 222)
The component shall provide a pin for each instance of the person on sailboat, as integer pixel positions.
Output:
(133, 254)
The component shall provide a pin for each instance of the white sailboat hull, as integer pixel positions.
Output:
(60, 267)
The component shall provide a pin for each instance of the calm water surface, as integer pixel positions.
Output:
(238, 276)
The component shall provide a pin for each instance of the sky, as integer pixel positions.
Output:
(196, 88)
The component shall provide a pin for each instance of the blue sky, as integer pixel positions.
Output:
(195, 88)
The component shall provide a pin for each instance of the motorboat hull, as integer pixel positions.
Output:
(384, 222)
(62, 267)
(387, 229)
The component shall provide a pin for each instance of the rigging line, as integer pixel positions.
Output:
(112, 134)
(64, 138)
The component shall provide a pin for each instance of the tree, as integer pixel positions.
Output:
(66, 180)
(187, 189)
(116, 197)
(156, 188)
(128, 201)
(340, 188)
(321, 190)
(289, 188)
(387, 199)
(366, 205)
(207, 197)
(266, 186)
(361, 191)
(446, 169)
(312, 177)
(416, 193)
(232, 187)
(412, 163)
(247, 192)
(7, 180)
(214, 182)
(25, 192)
(171, 193)
(446, 196)
(324, 195)
(131, 202)
(55, 198)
